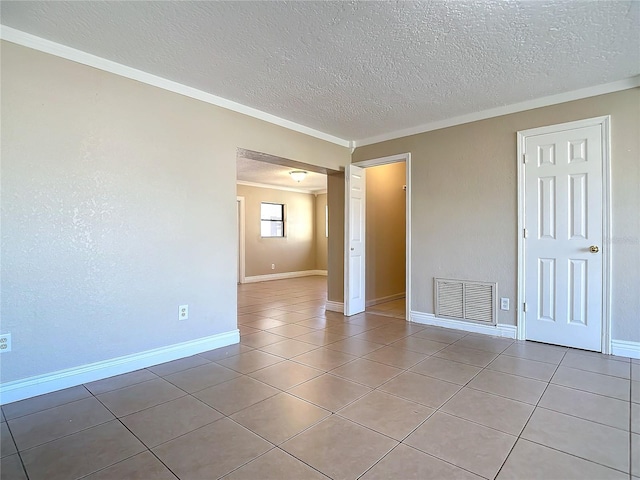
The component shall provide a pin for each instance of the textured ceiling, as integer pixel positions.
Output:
(356, 69)
(255, 171)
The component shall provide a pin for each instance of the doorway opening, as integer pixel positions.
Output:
(299, 245)
(378, 236)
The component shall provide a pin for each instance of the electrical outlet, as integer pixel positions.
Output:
(273, 266)
(504, 303)
(5, 342)
(183, 312)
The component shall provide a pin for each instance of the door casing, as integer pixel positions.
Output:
(241, 239)
(402, 157)
(604, 123)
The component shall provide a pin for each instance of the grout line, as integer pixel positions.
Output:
(49, 408)
(531, 415)
(18, 452)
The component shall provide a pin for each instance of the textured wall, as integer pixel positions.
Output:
(464, 201)
(118, 205)
(321, 238)
(335, 199)
(293, 253)
(386, 231)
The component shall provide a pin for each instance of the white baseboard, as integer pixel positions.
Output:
(50, 382)
(624, 348)
(508, 331)
(284, 275)
(334, 306)
(388, 298)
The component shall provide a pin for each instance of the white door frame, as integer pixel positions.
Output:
(604, 122)
(375, 162)
(241, 239)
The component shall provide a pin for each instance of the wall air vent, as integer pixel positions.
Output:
(466, 300)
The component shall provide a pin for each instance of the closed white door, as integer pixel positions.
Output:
(563, 264)
(354, 298)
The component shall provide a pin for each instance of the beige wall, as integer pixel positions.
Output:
(293, 253)
(321, 237)
(118, 204)
(335, 199)
(385, 231)
(464, 201)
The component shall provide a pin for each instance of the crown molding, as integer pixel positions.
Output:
(37, 43)
(505, 110)
(47, 46)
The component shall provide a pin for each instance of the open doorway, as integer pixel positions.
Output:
(386, 239)
(377, 237)
(282, 218)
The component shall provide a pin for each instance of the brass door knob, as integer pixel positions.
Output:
(594, 249)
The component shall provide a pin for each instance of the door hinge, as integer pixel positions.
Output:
(524, 158)
(525, 233)
(524, 307)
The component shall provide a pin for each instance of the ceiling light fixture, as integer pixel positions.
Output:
(298, 175)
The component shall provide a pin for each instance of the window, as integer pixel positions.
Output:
(271, 219)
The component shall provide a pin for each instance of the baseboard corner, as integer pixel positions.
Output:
(334, 306)
(625, 348)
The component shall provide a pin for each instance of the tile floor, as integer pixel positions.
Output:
(310, 394)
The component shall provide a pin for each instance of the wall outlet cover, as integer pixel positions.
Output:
(5, 342)
(183, 312)
(504, 303)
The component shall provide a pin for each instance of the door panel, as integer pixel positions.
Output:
(354, 298)
(563, 219)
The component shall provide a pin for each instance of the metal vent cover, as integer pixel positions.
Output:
(466, 300)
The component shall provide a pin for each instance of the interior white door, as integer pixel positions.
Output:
(238, 217)
(354, 274)
(563, 237)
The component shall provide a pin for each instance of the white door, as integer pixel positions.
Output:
(354, 275)
(563, 264)
(238, 215)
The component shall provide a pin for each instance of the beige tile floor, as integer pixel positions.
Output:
(310, 394)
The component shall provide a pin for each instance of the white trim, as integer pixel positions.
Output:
(283, 275)
(388, 298)
(605, 123)
(277, 187)
(400, 157)
(506, 110)
(334, 306)
(520, 331)
(376, 162)
(499, 330)
(31, 41)
(624, 348)
(241, 240)
(70, 377)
